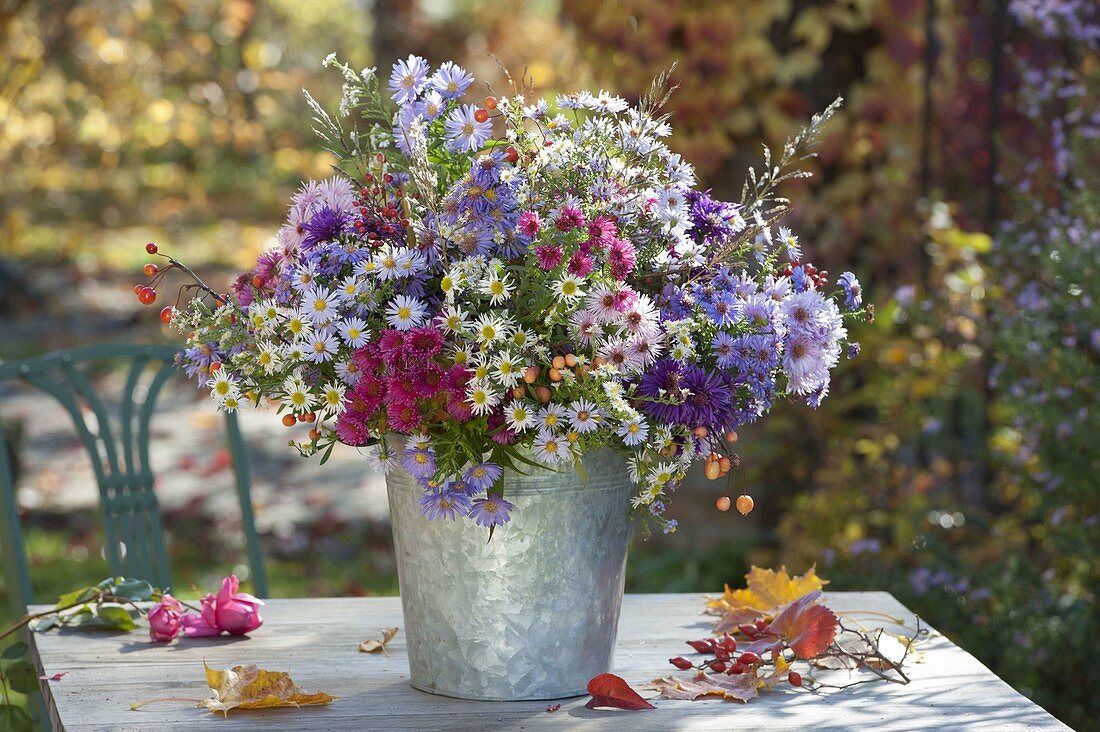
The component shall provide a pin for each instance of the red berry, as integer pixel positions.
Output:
(795, 678)
(749, 659)
(737, 668)
(721, 654)
(729, 643)
(314, 434)
(680, 662)
(481, 115)
(718, 666)
(166, 314)
(138, 289)
(147, 296)
(216, 366)
(311, 417)
(490, 102)
(702, 646)
(748, 629)
(761, 624)
(511, 154)
(151, 270)
(288, 420)
(151, 248)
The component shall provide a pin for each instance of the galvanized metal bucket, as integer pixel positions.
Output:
(531, 614)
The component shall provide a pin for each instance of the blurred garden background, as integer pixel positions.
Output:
(956, 463)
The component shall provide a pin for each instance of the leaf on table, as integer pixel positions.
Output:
(808, 628)
(374, 646)
(609, 690)
(738, 687)
(54, 677)
(251, 687)
(765, 592)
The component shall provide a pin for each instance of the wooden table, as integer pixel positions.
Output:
(317, 641)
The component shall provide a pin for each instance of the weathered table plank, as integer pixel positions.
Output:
(317, 641)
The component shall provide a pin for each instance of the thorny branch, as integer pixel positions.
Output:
(872, 658)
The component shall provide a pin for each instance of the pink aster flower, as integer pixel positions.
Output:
(529, 224)
(580, 264)
(601, 231)
(625, 299)
(569, 218)
(549, 256)
(621, 258)
(404, 416)
(424, 342)
(352, 429)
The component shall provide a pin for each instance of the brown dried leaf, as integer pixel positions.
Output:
(374, 646)
(251, 687)
(739, 687)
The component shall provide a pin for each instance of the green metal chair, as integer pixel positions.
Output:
(132, 525)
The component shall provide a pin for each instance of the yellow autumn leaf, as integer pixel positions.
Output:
(251, 687)
(766, 591)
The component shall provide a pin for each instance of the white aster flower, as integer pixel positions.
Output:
(405, 313)
(268, 356)
(507, 369)
(481, 396)
(549, 448)
(551, 417)
(454, 319)
(353, 331)
(348, 372)
(303, 277)
(222, 385)
(498, 289)
(489, 329)
(319, 305)
(332, 398)
(349, 289)
(584, 415)
(633, 431)
(322, 346)
(568, 288)
(519, 416)
(297, 322)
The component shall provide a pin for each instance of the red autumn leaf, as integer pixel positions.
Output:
(609, 690)
(551, 708)
(54, 677)
(807, 628)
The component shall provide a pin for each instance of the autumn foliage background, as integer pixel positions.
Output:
(955, 464)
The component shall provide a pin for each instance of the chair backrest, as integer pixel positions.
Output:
(119, 451)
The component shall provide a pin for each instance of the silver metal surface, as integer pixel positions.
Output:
(531, 614)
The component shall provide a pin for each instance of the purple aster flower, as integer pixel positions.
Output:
(853, 349)
(451, 80)
(407, 78)
(447, 503)
(713, 222)
(464, 133)
(483, 476)
(491, 511)
(419, 461)
(670, 526)
(325, 225)
(723, 346)
(722, 309)
(853, 292)
(708, 402)
(661, 391)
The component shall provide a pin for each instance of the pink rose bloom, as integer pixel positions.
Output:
(164, 619)
(230, 611)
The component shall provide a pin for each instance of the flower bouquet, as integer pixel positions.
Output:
(492, 296)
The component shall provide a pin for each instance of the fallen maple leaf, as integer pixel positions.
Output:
(54, 677)
(609, 690)
(765, 593)
(807, 628)
(251, 687)
(551, 708)
(738, 687)
(373, 646)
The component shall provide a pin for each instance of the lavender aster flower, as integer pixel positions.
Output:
(482, 477)
(445, 504)
(407, 78)
(420, 462)
(326, 225)
(464, 133)
(491, 511)
(853, 292)
(451, 80)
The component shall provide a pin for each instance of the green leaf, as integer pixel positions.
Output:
(71, 598)
(15, 719)
(14, 651)
(116, 617)
(21, 677)
(133, 589)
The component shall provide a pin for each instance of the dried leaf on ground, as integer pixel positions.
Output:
(808, 628)
(739, 687)
(609, 690)
(374, 646)
(765, 593)
(251, 687)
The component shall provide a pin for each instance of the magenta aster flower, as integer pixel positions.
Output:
(621, 258)
(580, 264)
(424, 342)
(549, 256)
(569, 218)
(491, 511)
(404, 416)
(529, 223)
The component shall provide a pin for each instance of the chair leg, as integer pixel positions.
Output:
(16, 575)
